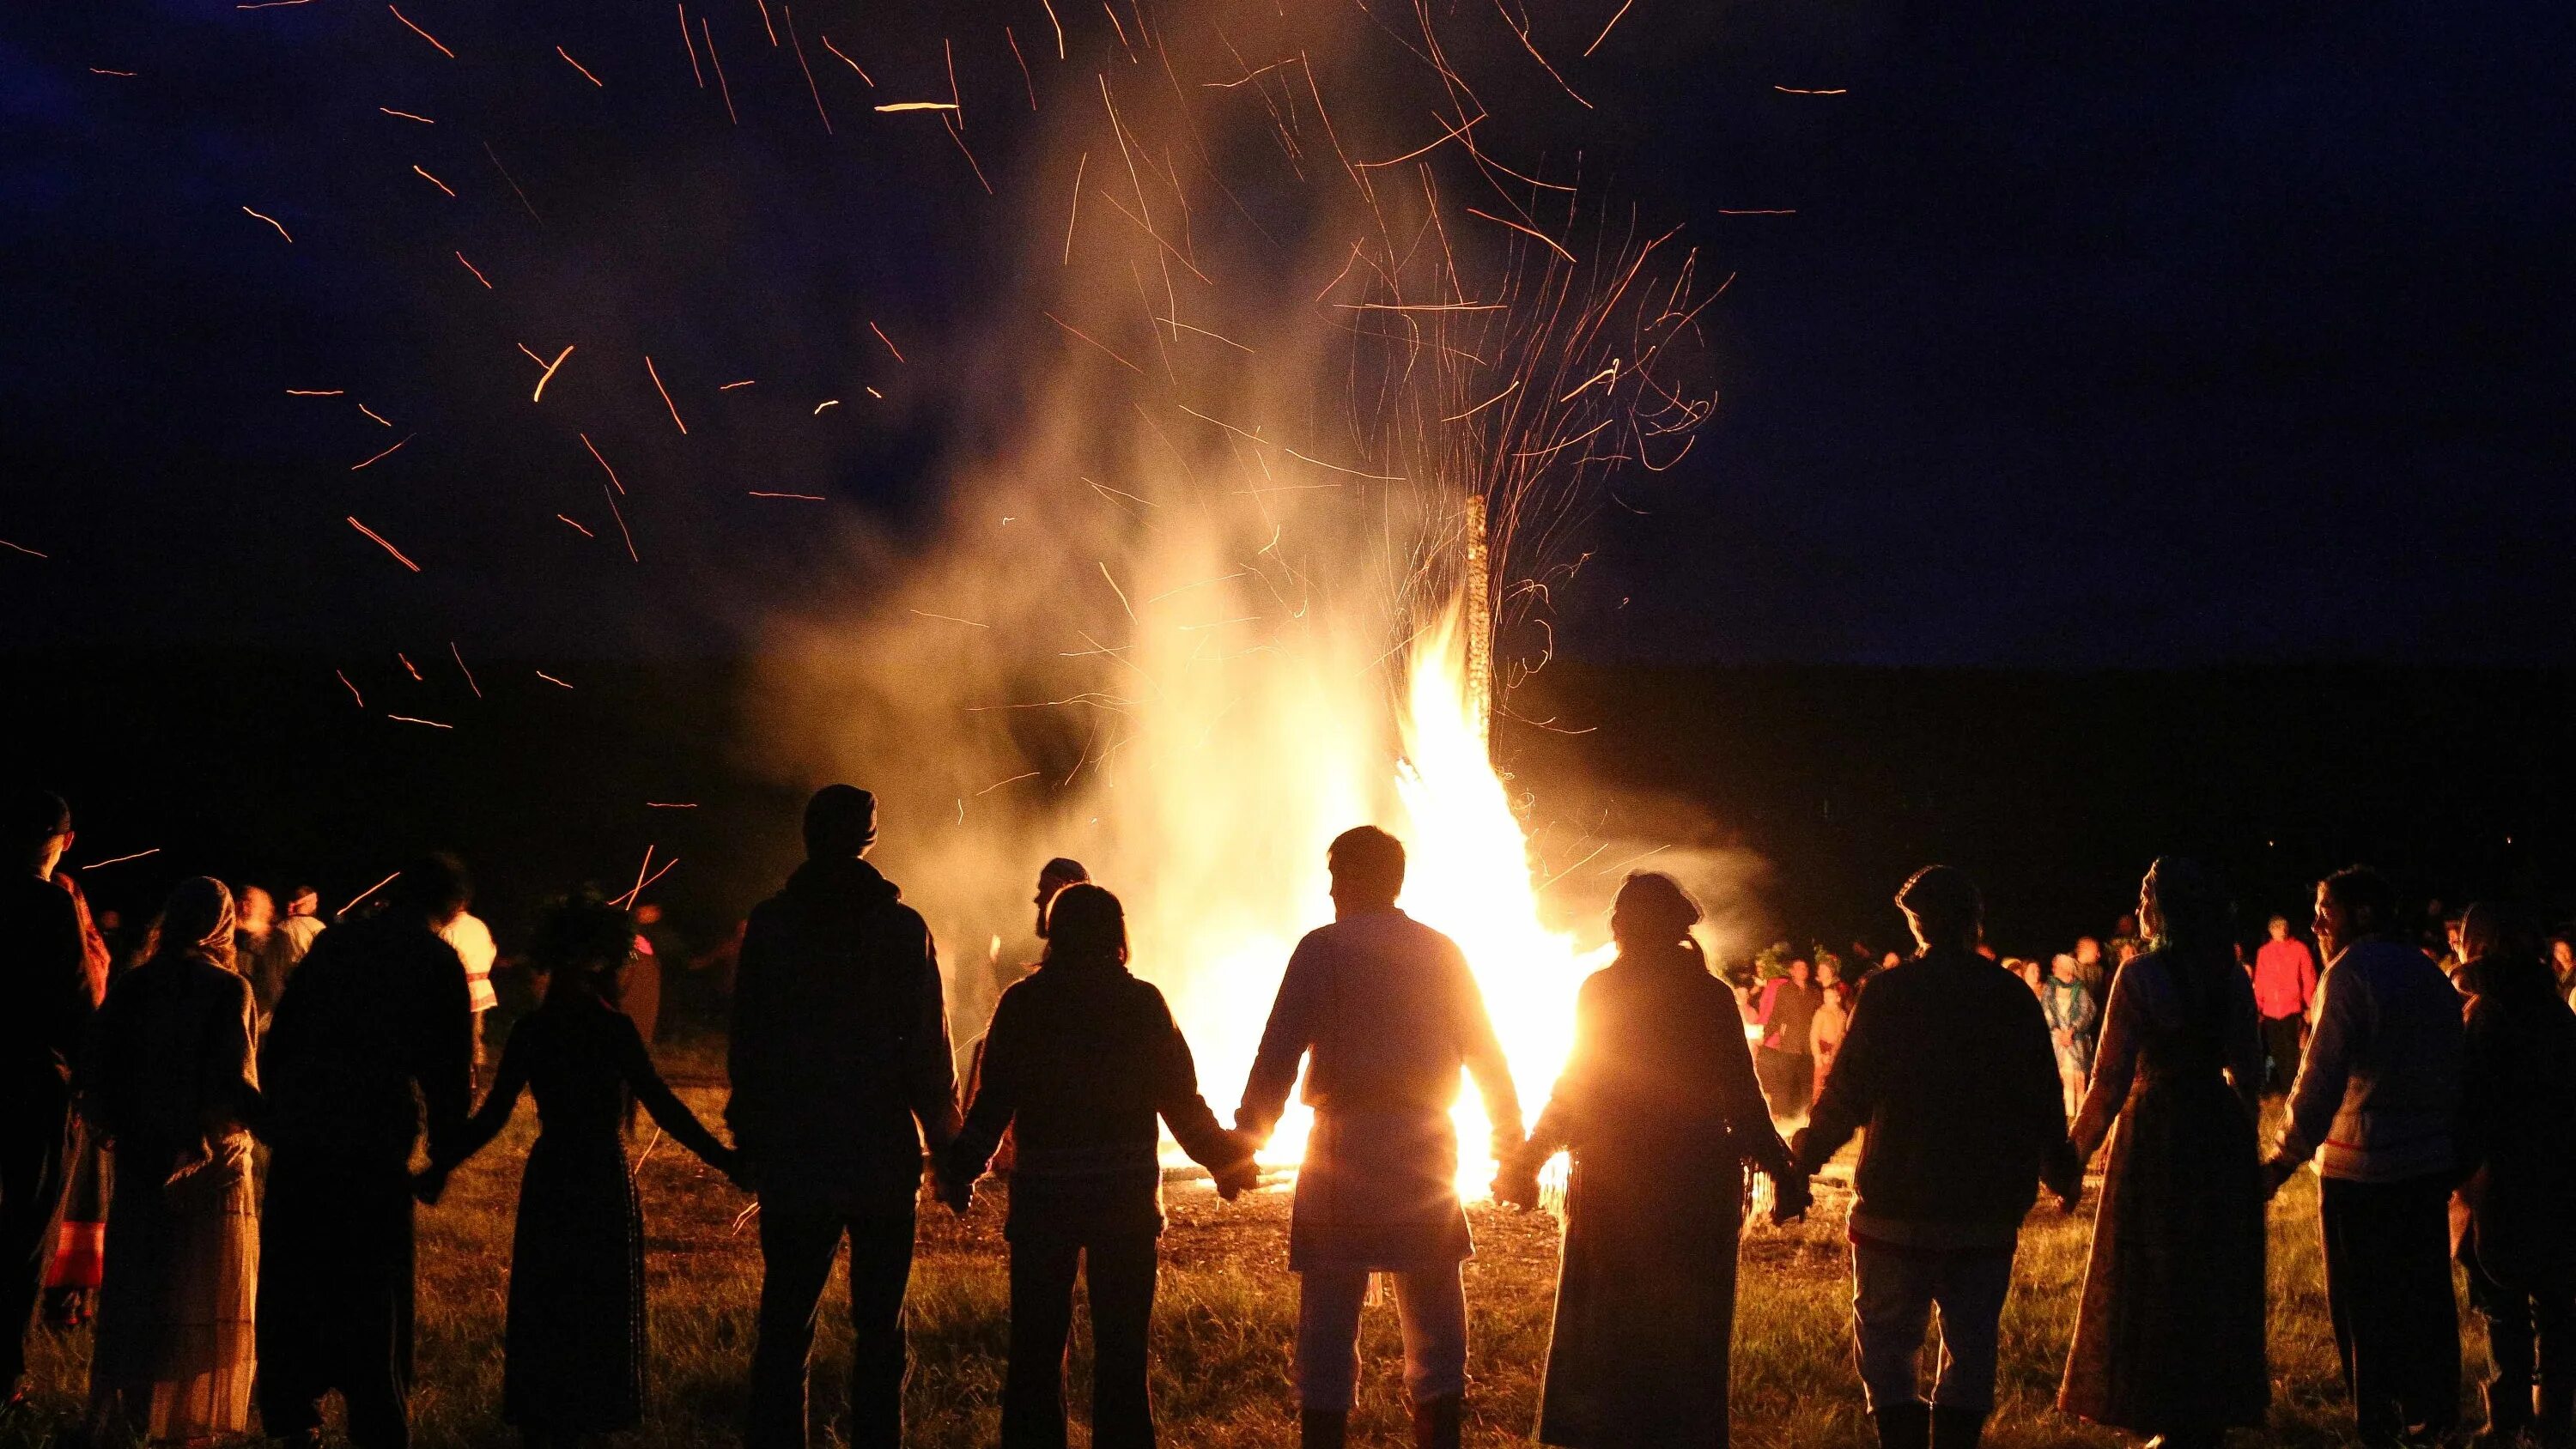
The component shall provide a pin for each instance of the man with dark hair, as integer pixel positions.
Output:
(1948, 1066)
(376, 1013)
(2285, 986)
(2379, 1091)
(1389, 1013)
(1053, 877)
(45, 980)
(841, 1068)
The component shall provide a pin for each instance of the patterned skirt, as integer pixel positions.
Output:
(177, 1298)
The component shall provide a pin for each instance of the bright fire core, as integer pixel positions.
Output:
(1468, 875)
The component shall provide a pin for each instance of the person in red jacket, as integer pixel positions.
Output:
(2285, 986)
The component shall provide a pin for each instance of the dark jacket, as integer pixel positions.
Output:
(44, 978)
(1948, 1065)
(1081, 1060)
(169, 1064)
(378, 1011)
(2518, 1132)
(839, 1057)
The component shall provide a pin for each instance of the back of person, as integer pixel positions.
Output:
(1949, 1068)
(1655, 1089)
(577, 1054)
(1090, 1042)
(362, 1019)
(2521, 1052)
(1388, 1003)
(837, 1009)
(150, 1053)
(41, 977)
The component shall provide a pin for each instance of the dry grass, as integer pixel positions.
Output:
(1224, 1324)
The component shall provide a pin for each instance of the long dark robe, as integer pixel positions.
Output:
(1660, 1109)
(2169, 1333)
(575, 1341)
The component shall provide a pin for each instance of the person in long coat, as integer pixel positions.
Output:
(575, 1346)
(168, 1083)
(2169, 1332)
(1661, 1111)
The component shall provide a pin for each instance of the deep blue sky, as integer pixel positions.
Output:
(2140, 334)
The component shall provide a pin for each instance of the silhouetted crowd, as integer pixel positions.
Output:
(243, 1122)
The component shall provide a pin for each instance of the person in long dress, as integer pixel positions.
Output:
(1660, 1110)
(168, 1083)
(1083, 1060)
(575, 1345)
(2169, 1332)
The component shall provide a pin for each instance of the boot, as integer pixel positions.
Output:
(1323, 1428)
(1957, 1428)
(1906, 1425)
(1435, 1423)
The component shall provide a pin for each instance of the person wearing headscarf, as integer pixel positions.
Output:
(1659, 1107)
(2169, 1332)
(2518, 1145)
(1086, 1064)
(169, 1084)
(574, 1349)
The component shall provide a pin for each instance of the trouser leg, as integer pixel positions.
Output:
(1891, 1308)
(2345, 1222)
(2281, 1045)
(2427, 1314)
(375, 1387)
(1120, 1271)
(880, 1272)
(796, 1249)
(1042, 1269)
(1431, 1308)
(1328, 1335)
(1970, 1293)
(2512, 1343)
(32, 1161)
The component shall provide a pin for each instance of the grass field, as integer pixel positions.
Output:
(1224, 1321)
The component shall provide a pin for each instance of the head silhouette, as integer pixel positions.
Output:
(197, 921)
(1054, 876)
(1942, 907)
(1086, 926)
(38, 827)
(1368, 869)
(2354, 903)
(840, 823)
(1651, 912)
(583, 943)
(433, 888)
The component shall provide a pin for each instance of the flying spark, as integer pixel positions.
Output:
(387, 453)
(387, 547)
(540, 394)
(577, 65)
(423, 34)
(272, 221)
(656, 375)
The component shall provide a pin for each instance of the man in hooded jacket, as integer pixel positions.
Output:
(841, 1069)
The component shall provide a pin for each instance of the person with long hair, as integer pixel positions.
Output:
(168, 1083)
(2518, 1144)
(1660, 1109)
(80, 1244)
(575, 1346)
(2169, 1332)
(1081, 1062)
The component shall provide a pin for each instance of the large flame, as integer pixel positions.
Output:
(1469, 875)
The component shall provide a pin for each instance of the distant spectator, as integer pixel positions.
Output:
(2379, 1092)
(45, 978)
(640, 986)
(2089, 965)
(2285, 987)
(2562, 965)
(474, 947)
(254, 917)
(1833, 1017)
(1788, 1068)
(2073, 1018)
(288, 942)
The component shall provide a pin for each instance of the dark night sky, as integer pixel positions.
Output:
(2129, 334)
